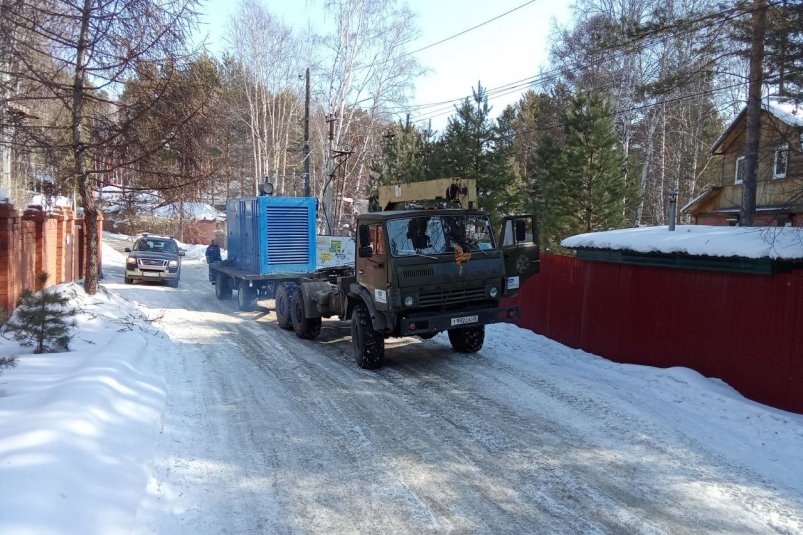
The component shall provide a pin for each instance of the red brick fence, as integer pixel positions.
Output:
(33, 241)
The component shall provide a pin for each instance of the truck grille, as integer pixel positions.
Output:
(151, 262)
(451, 296)
(288, 235)
(414, 273)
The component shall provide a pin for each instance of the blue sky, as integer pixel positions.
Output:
(503, 51)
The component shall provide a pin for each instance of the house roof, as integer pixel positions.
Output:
(701, 198)
(786, 110)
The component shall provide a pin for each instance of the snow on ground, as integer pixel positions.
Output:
(749, 242)
(79, 429)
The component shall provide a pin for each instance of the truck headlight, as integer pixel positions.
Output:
(409, 301)
(494, 291)
(131, 260)
(172, 263)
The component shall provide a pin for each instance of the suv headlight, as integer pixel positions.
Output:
(131, 260)
(409, 301)
(494, 291)
(172, 263)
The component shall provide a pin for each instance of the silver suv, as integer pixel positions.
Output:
(156, 258)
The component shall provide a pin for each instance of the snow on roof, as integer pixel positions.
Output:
(787, 110)
(194, 210)
(784, 243)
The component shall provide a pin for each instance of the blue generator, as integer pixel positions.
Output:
(269, 235)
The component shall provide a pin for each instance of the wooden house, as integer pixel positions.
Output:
(779, 186)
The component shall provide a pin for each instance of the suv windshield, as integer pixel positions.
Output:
(156, 246)
(438, 234)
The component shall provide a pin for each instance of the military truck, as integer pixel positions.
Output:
(423, 264)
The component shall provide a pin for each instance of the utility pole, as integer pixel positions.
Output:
(305, 173)
(329, 187)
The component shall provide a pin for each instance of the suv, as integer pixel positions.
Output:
(155, 258)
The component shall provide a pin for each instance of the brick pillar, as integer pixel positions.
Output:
(38, 218)
(10, 287)
(63, 219)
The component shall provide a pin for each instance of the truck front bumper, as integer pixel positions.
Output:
(430, 323)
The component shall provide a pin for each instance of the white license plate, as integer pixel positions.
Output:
(150, 274)
(465, 320)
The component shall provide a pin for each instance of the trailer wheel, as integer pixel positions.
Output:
(369, 345)
(467, 339)
(283, 308)
(306, 328)
(246, 297)
(223, 286)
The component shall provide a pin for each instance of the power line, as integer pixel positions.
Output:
(710, 19)
(480, 25)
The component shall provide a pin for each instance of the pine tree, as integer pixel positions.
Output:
(469, 149)
(593, 185)
(6, 362)
(581, 184)
(402, 155)
(544, 193)
(42, 319)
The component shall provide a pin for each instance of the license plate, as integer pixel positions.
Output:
(465, 320)
(150, 274)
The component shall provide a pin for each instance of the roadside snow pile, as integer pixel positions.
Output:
(698, 240)
(88, 414)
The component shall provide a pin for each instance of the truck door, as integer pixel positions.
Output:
(372, 272)
(521, 251)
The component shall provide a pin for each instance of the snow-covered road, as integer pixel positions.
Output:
(267, 433)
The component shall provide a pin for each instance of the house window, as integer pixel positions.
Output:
(740, 166)
(781, 161)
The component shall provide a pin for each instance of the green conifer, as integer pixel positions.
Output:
(42, 319)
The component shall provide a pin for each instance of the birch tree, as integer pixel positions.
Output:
(271, 57)
(368, 70)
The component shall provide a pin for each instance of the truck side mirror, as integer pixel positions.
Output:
(521, 230)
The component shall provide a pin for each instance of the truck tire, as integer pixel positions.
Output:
(306, 328)
(467, 339)
(223, 286)
(283, 308)
(246, 297)
(369, 345)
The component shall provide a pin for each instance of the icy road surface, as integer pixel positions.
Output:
(267, 433)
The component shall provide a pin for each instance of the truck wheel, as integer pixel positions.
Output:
(283, 307)
(369, 345)
(467, 339)
(223, 286)
(306, 328)
(246, 297)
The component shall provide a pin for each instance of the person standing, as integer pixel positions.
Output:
(212, 255)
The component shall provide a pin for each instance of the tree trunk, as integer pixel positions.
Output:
(747, 214)
(91, 273)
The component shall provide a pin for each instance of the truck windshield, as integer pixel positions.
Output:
(438, 234)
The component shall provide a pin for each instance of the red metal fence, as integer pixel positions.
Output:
(744, 329)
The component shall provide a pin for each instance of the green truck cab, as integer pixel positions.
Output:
(421, 272)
